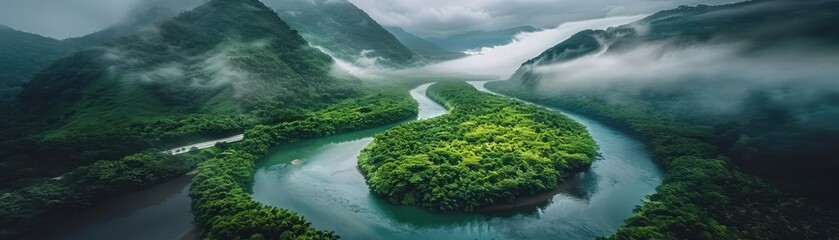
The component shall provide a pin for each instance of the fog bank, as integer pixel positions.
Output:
(502, 61)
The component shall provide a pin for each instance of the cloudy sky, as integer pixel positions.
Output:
(63, 18)
(445, 17)
(70, 18)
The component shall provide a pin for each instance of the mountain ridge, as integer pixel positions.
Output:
(346, 31)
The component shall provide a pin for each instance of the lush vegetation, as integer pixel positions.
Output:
(703, 196)
(767, 129)
(207, 73)
(346, 31)
(22, 55)
(222, 206)
(488, 149)
(25, 209)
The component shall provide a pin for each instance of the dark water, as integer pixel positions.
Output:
(160, 212)
(330, 192)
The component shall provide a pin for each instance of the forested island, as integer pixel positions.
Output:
(488, 149)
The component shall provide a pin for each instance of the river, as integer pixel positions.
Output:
(329, 191)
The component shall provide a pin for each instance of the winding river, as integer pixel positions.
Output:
(328, 190)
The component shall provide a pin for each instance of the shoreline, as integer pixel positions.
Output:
(531, 201)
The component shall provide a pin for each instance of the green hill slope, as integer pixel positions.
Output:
(344, 30)
(207, 73)
(223, 57)
(21, 55)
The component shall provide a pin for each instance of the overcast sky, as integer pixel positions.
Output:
(63, 18)
(446, 17)
(70, 18)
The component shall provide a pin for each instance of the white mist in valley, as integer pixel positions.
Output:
(502, 61)
(715, 80)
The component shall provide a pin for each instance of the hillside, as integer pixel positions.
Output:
(422, 47)
(480, 39)
(222, 57)
(718, 66)
(23, 54)
(206, 73)
(344, 30)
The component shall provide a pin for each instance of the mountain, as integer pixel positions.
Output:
(424, 48)
(763, 23)
(23, 54)
(762, 73)
(226, 56)
(344, 30)
(479, 39)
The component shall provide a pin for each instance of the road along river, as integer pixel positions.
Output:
(327, 189)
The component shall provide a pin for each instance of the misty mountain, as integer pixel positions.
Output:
(423, 47)
(760, 72)
(24, 54)
(480, 39)
(226, 56)
(21, 55)
(344, 30)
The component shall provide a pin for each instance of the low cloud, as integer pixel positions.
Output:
(440, 18)
(713, 79)
(502, 61)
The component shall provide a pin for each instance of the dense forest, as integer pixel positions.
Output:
(758, 72)
(703, 195)
(487, 150)
(223, 208)
(22, 54)
(208, 73)
(23, 209)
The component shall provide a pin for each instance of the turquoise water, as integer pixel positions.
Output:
(329, 191)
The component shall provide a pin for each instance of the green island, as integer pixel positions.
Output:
(488, 149)
(703, 195)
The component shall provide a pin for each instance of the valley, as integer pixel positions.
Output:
(462, 119)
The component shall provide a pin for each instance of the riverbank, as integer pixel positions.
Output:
(590, 205)
(704, 196)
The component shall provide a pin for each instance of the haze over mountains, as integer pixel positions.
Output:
(200, 61)
(763, 75)
(423, 47)
(23, 54)
(345, 31)
(476, 40)
(730, 102)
